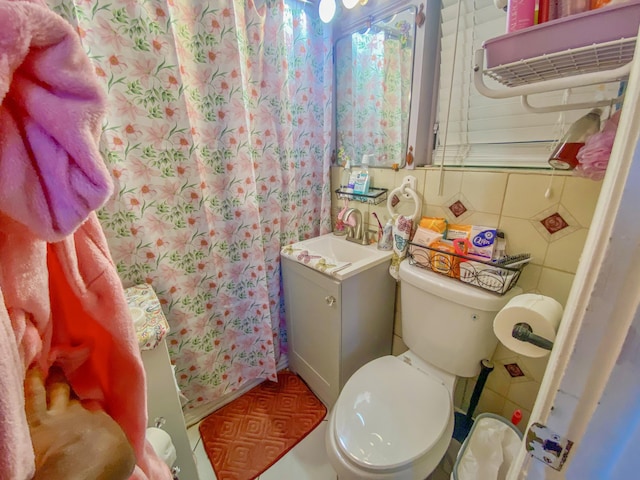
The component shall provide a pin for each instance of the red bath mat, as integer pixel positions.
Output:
(245, 437)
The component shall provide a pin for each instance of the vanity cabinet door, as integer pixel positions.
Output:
(313, 311)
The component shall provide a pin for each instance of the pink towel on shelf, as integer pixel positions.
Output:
(51, 106)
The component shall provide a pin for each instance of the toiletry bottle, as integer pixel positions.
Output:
(363, 180)
(367, 160)
(520, 14)
(501, 246)
(564, 156)
(571, 7)
(345, 181)
(385, 241)
(543, 11)
(600, 3)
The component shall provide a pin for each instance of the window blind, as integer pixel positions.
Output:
(493, 132)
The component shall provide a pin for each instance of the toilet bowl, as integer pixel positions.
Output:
(393, 421)
(394, 417)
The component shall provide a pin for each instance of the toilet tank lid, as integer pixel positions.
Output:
(454, 290)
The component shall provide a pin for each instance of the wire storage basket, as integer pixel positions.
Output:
(491, 276)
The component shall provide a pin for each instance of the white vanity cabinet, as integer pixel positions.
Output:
(336, 326)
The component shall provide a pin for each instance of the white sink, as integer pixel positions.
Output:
(337, 248)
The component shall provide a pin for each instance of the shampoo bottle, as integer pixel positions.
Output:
(520, 14)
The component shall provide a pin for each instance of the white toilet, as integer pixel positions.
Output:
(394, 417)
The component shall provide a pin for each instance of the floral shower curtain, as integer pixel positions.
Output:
(218, 138)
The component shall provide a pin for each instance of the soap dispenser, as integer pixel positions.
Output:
(363, 179)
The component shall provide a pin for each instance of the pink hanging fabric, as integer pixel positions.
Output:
(51, 171)
(61, 300)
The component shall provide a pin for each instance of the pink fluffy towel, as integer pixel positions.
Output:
(51, 171)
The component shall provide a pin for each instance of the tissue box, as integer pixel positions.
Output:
(482, 241)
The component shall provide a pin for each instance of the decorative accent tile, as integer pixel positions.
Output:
(457, 208)
(514, 370)
(554, 223)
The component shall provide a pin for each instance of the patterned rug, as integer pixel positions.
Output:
(245, 437)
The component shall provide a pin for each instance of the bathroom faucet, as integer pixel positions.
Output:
(354, 234)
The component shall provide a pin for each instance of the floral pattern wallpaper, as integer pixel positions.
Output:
(373, 81)
(218, 138)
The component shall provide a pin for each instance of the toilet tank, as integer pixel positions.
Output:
(447, 323)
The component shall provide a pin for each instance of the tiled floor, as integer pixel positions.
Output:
(306, 461)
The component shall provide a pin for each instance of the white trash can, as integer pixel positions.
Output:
(489, 449)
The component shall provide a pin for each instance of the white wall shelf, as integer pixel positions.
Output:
(589, 65)
(373, 197)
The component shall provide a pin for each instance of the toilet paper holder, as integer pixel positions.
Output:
(524, 314)
(522, 331)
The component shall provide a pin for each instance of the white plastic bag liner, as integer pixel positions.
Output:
(488, 450)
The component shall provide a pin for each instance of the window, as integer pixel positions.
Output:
(487, 132)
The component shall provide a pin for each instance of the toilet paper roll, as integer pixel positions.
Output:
(543, 315)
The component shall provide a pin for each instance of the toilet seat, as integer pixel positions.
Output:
(389, 414)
